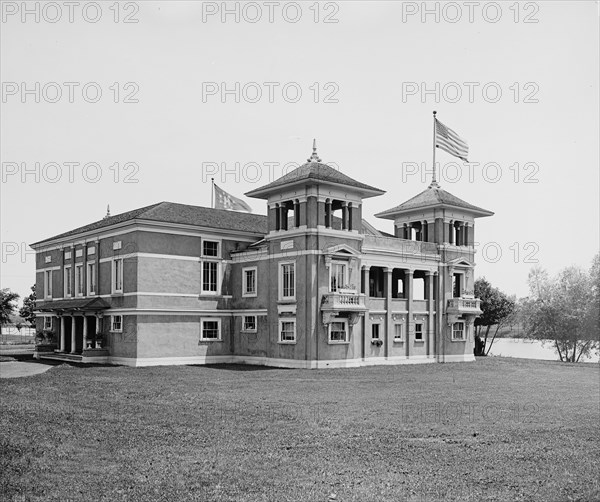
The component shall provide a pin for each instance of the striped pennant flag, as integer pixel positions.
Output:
(449, 141)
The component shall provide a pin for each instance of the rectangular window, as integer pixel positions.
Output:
(117, 282)
(209, 276)
(211, 330)
(249, 281)
(338, 276)
(47, 322)
(79, 280)
(458, 331)
(338, 332)
(456, 285)
(249, 323)
(375, 331)
(398, 333)
(91, 279)
(287, 281)
(287, 330)
(116, 323)
(419, 331)
(48, 283)
(68, 290)
(210, 248)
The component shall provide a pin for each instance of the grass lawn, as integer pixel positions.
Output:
(496, 429)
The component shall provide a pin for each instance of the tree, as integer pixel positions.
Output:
(26, 311)
(497, 310)
(7, 306)
(564, 310)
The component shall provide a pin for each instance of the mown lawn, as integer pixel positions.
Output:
(496, 429)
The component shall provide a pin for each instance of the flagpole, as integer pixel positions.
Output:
(433, 180)
(212, 193)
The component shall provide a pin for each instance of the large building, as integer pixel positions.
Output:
(310, 285)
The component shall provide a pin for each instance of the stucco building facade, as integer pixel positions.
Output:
(310, 285)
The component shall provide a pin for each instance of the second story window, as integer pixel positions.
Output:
(68, 283)
(79, 280)
(117, 275)
(209, 276)
(91, 279)
(249, 281)
(48, 283)
(287, 281)
(338, 276)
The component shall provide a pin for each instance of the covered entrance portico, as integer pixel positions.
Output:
(79, 326)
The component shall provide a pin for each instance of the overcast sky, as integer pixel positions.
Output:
(519, 82)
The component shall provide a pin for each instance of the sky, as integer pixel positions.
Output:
(132, 103)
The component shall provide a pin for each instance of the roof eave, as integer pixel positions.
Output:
(264, 192)
(390, 214)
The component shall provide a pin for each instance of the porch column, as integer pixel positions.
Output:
(62, 345)
(409, 304)
(387, 281)
(451, 228)
(364, 285)
(431, 308)
(466, 235)
(85, 328)
(344, 215)
(73, 337)
(98, 344)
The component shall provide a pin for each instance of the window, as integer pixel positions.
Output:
(418, 331)
(91, 279)
(48, 283)
(210, 248)
(209, 276)
(211, 330)
(338, 332)
(456, 285)
(116, 323)
(79, 280)
(68, 290)
(375, 331)
(249, 281)
(458, 331)
(287, 330)
(337, 276)
(117, 269)
(287, 281)
(47, 322)
(249, 323)
(398, 332)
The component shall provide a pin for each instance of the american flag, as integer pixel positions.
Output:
(450, 142)
(225, 200)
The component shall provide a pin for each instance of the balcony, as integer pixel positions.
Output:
(344, 302)
(372, 243)
(459, 306)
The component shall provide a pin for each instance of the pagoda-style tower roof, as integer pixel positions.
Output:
(433, 197)
(315, 170)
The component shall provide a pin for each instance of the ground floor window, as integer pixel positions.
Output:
(418, 331)
(398, 333)
(458, 331)
(375, 331)
(116, 323)
(338, 331)
(47, 322)
(287, 330)
(211, 330)
(249, 323)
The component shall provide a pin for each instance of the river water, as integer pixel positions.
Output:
(528, 349)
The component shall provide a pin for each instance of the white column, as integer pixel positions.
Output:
(62, 333)
(98, 344)
(73, 337)
(431, 308)
(85, 328)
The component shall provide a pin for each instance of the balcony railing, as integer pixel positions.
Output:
(401, 246)
(349, 302)
(464, 306)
